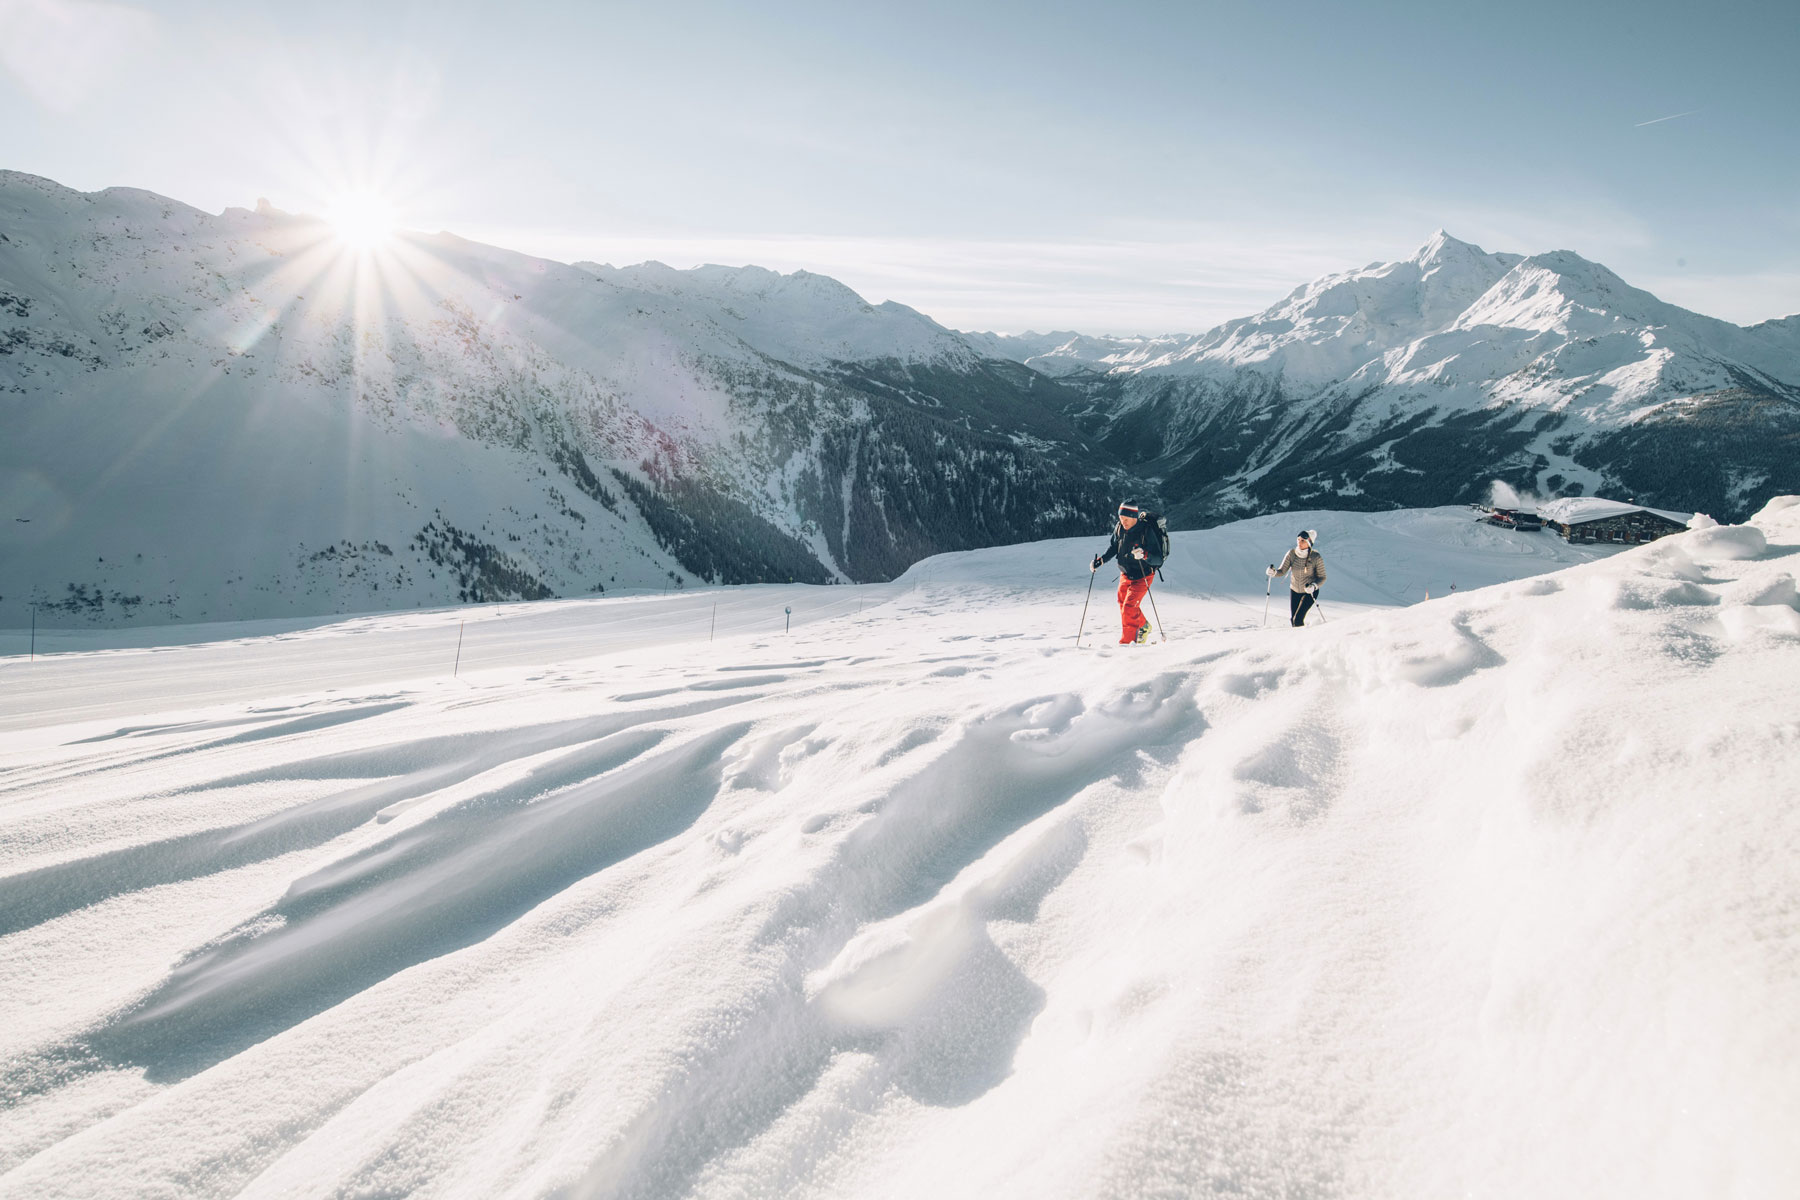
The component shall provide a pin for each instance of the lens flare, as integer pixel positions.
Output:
(361, 220)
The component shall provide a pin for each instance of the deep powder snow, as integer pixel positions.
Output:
(1493, 894)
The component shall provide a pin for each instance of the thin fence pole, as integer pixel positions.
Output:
(457, 666)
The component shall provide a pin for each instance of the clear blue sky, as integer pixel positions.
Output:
(1111, 168)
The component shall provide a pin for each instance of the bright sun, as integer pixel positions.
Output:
(361, 220)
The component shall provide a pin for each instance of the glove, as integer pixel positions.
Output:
(1095, 565)
(1139, 554)
(1269, 571)
(1313, 590)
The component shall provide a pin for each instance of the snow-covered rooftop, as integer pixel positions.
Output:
(1574, 510)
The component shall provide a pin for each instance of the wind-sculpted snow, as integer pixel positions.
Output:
(1490, 893)
(446, 883)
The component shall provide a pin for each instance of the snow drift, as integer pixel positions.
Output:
(1492, 894)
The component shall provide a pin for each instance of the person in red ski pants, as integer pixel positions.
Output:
(1131, 617)
(1138, 548)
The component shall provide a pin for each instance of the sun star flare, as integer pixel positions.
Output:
(363, 221)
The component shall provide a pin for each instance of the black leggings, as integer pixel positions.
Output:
(1299, 604)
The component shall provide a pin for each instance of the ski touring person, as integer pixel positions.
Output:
(1305, 569)
(1137, 542)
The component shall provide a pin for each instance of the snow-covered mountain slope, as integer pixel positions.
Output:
(1490, 894)
(1067, 353)
(1326, 330)
(239, 416)
(1418, 381)
(806, 319)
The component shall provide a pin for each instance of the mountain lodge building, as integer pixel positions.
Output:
(1596, 519)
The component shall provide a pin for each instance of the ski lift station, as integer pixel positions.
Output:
(1596, 519)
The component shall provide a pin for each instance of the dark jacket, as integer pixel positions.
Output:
(1124, 541)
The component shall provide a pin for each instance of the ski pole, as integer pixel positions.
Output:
(1268, 590)
(1316, 608)
(1151, 596)
(1084, 605)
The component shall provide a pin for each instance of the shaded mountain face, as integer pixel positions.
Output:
(1418, 382)
(237, 416)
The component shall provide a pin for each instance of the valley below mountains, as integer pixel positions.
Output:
(234, 416)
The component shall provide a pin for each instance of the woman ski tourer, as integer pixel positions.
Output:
(1305, 569)
(1137, 545)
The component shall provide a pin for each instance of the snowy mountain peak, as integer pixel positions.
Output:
(1562, 291)
(1551, 364)
(1440, 246)
(1326, 330)
(1449, 269)
(801, 317)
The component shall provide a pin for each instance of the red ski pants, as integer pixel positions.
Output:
(1131, 617)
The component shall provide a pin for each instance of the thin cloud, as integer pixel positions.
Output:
(1690, 112)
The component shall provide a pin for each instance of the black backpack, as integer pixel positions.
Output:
(1161, 524)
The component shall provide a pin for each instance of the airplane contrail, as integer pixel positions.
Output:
(1660, 120)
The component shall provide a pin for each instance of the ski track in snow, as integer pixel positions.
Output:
(1495, 894)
